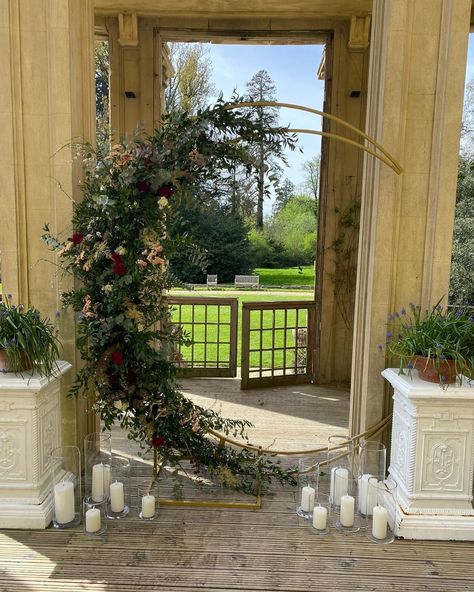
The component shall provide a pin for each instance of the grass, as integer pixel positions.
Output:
(208, 331)
(286, 276)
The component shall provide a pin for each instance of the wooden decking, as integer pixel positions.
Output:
(191, 549)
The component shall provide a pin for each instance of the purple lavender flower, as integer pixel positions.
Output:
(404, 312)
(389, 334)
(410, 365)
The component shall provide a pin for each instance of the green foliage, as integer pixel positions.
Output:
(118, 254)
(264, 251)
(294, 228)
(24, 334)
(218, 234)
(436, 334)
(102, 67)
(462, 265)
(191, 85)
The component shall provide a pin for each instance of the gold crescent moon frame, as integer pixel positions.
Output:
(376, 150)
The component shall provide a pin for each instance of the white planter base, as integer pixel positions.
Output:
(432, 459)
(433, 527)
(30, 421)
(26, 516)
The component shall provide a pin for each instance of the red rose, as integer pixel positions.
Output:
(158, 441)
(119, 266)
(165, 191)
(117, 357)
(77, 238)
(113, 380)
(144, 186)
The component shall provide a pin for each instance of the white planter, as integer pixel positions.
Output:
(432, 458)
(29, 429)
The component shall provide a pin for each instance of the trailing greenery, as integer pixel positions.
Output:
(118, 252)
(27, 339)
(437, 334)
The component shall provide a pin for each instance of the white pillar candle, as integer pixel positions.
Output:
(363, 488)
(93, 520)
(379, 522)
(320, 517)
(64, 509)
(339, 484)
(98, 482)
(307, 498)
(117, 502)
(371, 495)
(347, 510)
(148, 506)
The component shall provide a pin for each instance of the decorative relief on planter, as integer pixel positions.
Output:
(12, 451)
(400, 446)
(48, 436)
(443, 462)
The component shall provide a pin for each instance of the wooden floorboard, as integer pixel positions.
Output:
(229, 550)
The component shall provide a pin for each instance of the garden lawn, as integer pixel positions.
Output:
(209, 330)
(286, 276)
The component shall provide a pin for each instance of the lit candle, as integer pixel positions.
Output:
(379, 522)
(64, 510)
(339, 484)
(117, 502)
(98, 482)
(347, 510)
(93, 520)
(320, 517)
(307, 498)
(148, 506)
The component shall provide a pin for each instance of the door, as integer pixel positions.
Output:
(209, 326)
(278, 341)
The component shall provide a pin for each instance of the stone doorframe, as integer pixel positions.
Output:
(414, 105)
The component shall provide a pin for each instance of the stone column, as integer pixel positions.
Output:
(415, 98)
(136, 76)
(47, 100)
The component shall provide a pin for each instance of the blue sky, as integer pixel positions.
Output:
(293, 69)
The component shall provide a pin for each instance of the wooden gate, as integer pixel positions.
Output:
(210, 324)
(277, 343)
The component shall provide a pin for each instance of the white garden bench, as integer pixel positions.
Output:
(246, 281)
(211, 280)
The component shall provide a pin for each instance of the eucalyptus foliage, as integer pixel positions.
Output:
(118, 252)
(28, 340)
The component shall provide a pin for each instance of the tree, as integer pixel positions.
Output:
(312, 175)
(191, 86)
(262, 88)
(462, 266)
(294, 228)
(285, 193)
(102, 117)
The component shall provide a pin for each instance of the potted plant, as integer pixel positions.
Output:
(439, 343)
(26, 340)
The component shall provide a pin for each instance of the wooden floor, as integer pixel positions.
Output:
(268, 550)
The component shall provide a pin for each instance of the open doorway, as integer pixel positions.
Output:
(264, 229)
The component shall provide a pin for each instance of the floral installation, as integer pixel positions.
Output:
(440, 334)
(118, 251)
